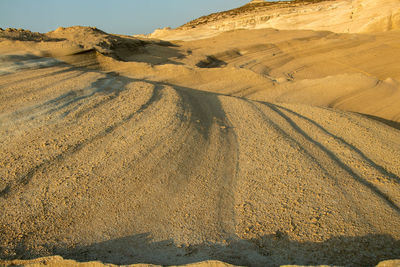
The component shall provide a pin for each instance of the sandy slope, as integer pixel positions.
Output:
(238, 148)
(352, 72)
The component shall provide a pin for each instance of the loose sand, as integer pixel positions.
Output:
(57, 261)
(254, 147)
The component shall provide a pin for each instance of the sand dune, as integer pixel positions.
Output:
(254, 147)
(357, 73)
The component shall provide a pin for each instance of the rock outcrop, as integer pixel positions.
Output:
(342, 16)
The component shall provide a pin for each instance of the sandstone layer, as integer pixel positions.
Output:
(341, 16)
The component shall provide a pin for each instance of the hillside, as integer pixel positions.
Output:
(340, 16)
(254, 147)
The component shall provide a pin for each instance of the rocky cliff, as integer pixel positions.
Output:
(342, 16)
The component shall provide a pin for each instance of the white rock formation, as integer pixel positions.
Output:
(342, 16)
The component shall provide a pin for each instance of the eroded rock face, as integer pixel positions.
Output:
(343, 16)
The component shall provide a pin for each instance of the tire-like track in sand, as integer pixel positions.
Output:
(95, 165)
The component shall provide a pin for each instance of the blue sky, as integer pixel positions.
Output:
(114, 16)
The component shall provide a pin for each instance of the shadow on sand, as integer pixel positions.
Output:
(390, 123)
(270, 250)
